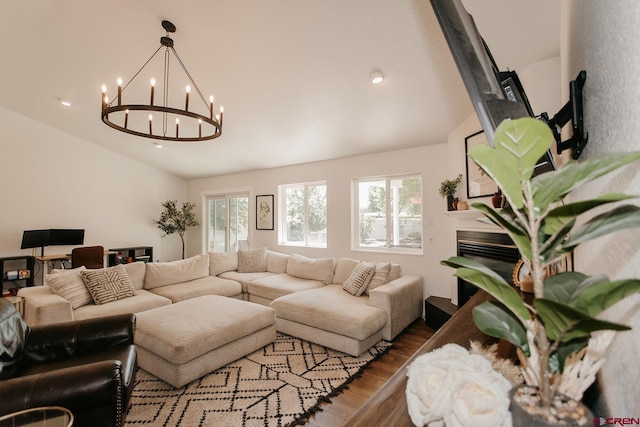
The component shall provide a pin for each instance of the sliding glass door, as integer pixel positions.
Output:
(227, 222)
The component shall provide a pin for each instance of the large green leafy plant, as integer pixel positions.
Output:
(177, 220)
(557, 329)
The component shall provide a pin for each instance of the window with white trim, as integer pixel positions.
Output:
(388, 213)
(303, 214)
(227, 224)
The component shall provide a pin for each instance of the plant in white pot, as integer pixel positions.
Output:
(559, 339)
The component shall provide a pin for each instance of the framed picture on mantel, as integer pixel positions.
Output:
(264, 212)
(479, 184)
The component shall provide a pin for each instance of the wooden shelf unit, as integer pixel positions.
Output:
(131, 252)
(30, 263)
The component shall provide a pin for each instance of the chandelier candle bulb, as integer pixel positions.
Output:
(119, 91)
(221, 115)
(199, 128)
(126, 118)
(177, 126)
(186, 103)
(150, 124)
(211, 106)
(153, 88)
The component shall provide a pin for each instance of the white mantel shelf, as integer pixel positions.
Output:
(471, 219)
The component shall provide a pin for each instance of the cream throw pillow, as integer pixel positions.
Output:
(320, 269)
(381, 276)
(70, 286)
(108, 284)
(252, 260)
(359, 279)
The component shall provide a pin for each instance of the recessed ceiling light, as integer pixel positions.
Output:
(157, 144)
(64, 102)
(376, 77)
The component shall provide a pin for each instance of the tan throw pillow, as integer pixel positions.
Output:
(70, 286)
(380, 277)
(108, 284)
(252, 260)
(360, 277)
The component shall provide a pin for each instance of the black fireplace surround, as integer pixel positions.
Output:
(495, 250)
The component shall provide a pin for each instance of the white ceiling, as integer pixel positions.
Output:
(291, 74)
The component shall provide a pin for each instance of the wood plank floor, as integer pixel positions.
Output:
(347, 403)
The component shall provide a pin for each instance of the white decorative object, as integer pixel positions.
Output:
(450, 387)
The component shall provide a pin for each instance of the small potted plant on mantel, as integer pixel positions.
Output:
(559, 340)
(448, 189)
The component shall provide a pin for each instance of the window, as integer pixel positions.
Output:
(227, 222)
(303, 214)
(388, 214)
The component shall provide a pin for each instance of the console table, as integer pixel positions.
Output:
(388, 406)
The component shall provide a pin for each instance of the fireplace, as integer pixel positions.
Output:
(495, 250)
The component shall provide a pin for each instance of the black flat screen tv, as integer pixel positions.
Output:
(495, 95)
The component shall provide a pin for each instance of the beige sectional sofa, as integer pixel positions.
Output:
(310, 296)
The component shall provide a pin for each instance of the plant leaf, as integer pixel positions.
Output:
(559, 357)
(601, 295)
(496, 320)
(551, 187)
(565, 323)
(518, 145)
(552, 244)
(490, 282)
(562, 215)
(509, 223)
(564, 287)
(622, 217)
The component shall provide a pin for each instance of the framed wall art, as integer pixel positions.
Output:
(264, 212)
(479, 184)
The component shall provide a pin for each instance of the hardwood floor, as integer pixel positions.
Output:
(347, 403)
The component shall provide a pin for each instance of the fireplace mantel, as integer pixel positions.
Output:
(473, 220)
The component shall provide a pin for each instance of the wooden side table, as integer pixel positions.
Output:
(18, 303)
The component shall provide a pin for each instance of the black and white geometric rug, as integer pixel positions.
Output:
(279, 385)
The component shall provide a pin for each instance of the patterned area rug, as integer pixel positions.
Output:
(279, 385)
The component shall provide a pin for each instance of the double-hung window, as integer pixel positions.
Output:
(388, 213)
(303, 214)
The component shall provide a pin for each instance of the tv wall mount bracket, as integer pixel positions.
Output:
(571, 111)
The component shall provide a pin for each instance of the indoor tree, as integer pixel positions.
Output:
(174, 220)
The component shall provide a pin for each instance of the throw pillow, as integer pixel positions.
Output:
(252, 260)
(108, 284)
(70, 286)
(359, 279)
(380, 277)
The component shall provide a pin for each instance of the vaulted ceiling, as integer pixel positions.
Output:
(292, 75)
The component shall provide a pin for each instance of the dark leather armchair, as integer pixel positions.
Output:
(86, 366)
(89, 256)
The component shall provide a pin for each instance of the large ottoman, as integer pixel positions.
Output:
(186, 340)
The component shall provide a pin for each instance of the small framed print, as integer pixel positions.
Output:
(264, 212)
(561, 264)
(479, 184)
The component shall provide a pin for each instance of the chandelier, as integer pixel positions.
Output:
(139, 119)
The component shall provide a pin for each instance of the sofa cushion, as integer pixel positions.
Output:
(70, 286)
(344, 267)
(380, 277)
(394, 273)
(244, 278)
(320, 269)
(277, 285)
(209, 285)
(252, 260)
(172, 272)
(136, 271)
(340, 312)
(108, 284)
(359, 278)
(220, 262)
(277, 262)
(142, 301)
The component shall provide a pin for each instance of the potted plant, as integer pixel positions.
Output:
(448, 190)
(174, 220)
(559, 340)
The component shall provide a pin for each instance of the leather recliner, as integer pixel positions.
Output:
(86, 366)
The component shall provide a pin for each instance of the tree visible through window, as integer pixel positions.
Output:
(303, 214)
(389, 213)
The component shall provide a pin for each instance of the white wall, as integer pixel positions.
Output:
(51, 179)
(430, 161)
(602, 38)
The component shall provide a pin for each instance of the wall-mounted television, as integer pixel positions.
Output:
(51, 237)
(498, 95)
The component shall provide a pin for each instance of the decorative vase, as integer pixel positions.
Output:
(450, 201)
(462, 206)
(454, 204)
(497, 200)
(567, 412)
